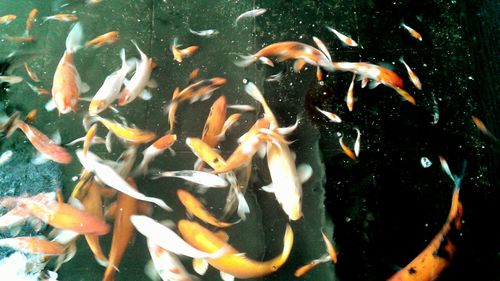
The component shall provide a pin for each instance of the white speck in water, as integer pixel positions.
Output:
(245, 81)
(347, 219)
(426, 163)
(339, 134)
(75, 178)
(470, 78)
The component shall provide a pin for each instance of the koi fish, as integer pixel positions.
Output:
(11, 79)
(111, 178)
(215, 122)
(346, 40)
(412, 32)
(110, 89)
(193, 75)
(196, 208)
(202, 89)
(29, 22)
(7, 19)
(38, 90)
(332, 254)
(61, 17)
(480, 125)
(205, 33)
(233, 263)
(167, 239)
(241, 107)
(31, 74)
(198, 177)
(413, 77)
(180, 54)
(156, 149)
(123, 231)
(276, 77)
(20, 39)
(44, 145)
(206, 153)
(289, 50)
(104, 39)
(357, 144)
(349, 100)
(67, 85)
(137, 84)
(33, 245)
(172, 109)
(166, 264)
(301, 271)
(230, 121)
(330, 115)
(129, 134)
(250, 14)
(347, 150)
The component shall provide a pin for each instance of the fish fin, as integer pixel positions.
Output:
(364, 81)
(56, 137)
(206, 97)
(288, 130)
(50, 105)
(63, 236)
(322, 47)
(246, 60)
(84, 87)
(168, 223)
(262, 151)
(200, 266)
(268, 188)
(304, 172)
(226, 276)
(373, 84)
(146, 95)
(150, 271)
(298, 65)
(76, 203)
(266, 61)
(243, 207)
(14, 231)
(107, 142)
(197, 163)
(152, 84)
(67, 256)
(74, 39)
(39, 159)
(172, 151)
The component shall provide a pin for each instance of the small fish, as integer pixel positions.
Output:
(332, 254)
(346, 40)
(349, 100)
(241, 107)
(180, 54)
(30, 21)
(199, 90)
(357, 144)
(166, 264)
(67, 84)
(6, 156)
(413, 77)
(480, 125)
(31, 73)
(125, 133)
(156, 149)
(196, 208)
(331, 116)
(11, 79)
(412, 31)
(193, 76)
(198, 177)
(104, 39)
(33, 245)
(38, 90)
(206, 153)
(20, 39)
(205, 33)
(167, 239)
(111, 178)
(347, 150)
(250, 14)
(62, 17)
(233, 263)
(301, 271)
(172, 109)
(7, 19)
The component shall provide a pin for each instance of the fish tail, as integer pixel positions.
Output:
(74, 39)
(246, 60)
(243, 207)
(457, 179)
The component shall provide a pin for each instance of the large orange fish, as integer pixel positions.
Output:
(196, 208)
(233, 262)
(125, 133)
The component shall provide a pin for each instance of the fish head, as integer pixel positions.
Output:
(96, 106)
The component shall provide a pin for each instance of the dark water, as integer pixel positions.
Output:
(381, 210)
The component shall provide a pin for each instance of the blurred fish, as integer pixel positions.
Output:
(7, 19)
(412, 31)
(123, 132)
(357, 144)
(20, 39)
(61, 17)
(241, 107)
(413, 77)
(349, 100)
(276, 77)
(199, 90)
(195, 207)
(205, 33)
(193, 76)
(301, 271)
(480, 125)
(33, 245)
(156, 149)
(250, 14)
(104, 39)
(30, 21)
(6, 156)
(198, 177)
(346, 40)
(347, 150)
(330, 115)
(11, 79)
(31, 73)
(180, 54)
(332, 254)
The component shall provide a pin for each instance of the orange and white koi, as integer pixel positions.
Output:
(233, 263)
(429, 264)
(201, 178)
(110, 89)
(180, 54)
(200, 90)
(61, 17)
(166, 264)
(123, 230)
(7, 19)
(347, 150)
(31, 74)
(33, 245)
(167, 239)
(111, 178)
(67, 85)
(31, 19)
(137, 84)
(250, 14)
(413, 77)
(156, 149)
(38, 90)
(104, 39)
(412, 32)
(14, 219)
(349, 99)
(230, 121)
(346, 40)
(289, 50)
(123, 132)
(330, 115)
(196, 208)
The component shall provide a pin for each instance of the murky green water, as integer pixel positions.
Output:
(385, 206)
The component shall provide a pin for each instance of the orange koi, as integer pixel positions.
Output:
(33, 245)
(233, 262)
(31, 74)
(88, 138)
(196, 208)
(346, 40)
(230, 121)
(20, 39)
(104, 39)
(429, 264)
(349, 100)
(413, 77)
(194, 75)
(215, 122)
(180, 54)
(156, 149)
(67, 85)
(412, 32)
(31, 19)
(31, 116)
(330, 249)
(301, 271)
(132, 135)
(62, 17)
(123, 231)
(206, 153)
(7, 19)
(347, 150)
(202, 89)
(172, 109)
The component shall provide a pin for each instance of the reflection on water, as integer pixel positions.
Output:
(366, 128)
